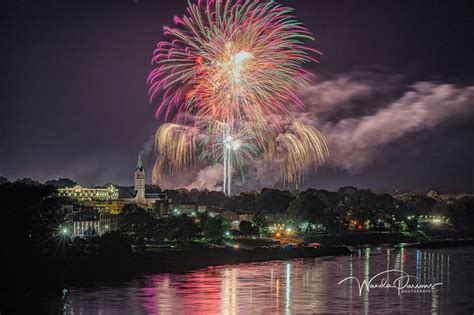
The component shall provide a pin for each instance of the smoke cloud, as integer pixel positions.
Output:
(360, 114)
(209, 178)
(357, 141)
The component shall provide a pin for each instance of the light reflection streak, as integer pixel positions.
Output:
(288, 289)
(366, 278)
(309, 286)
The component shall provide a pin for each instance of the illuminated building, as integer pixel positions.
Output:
(156, 202)
(82, 193)
(113, 207)
(86, 222)
(246, 217)
(229, 215)
(185, 208)
(139, 182)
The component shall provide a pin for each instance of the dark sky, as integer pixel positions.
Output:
(74, 98)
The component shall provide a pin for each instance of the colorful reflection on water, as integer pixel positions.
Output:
(296, 286)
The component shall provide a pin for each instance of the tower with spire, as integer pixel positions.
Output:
(139, 181)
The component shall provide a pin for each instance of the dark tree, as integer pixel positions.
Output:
(29, 225)
(461, 213)
(139, 223)
(30, 218)
(247, 228)
(247, 202)
(180, 228)
(61, 182)
(28, 181)
(214, 198)
(212, 229)
(418, 205)
(274, 200)
(308, 207)
(3, 180)
(260, 223)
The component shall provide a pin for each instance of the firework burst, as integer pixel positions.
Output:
(234, 67)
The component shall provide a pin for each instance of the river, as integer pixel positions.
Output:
(297, 286)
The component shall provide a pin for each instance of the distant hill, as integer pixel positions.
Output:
(61, 182)
(3, 180)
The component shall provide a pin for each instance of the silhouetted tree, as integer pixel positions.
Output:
(247, 202)
(418, 205)
(461, 213)
(180, 228)
(29, 224)
(308, 207)
(61, 182)
(212, 229)
(247, 228)
(3, 180)
(138, 222)
(28, 181)
(260, 223)
(273, 200)
(30, 218)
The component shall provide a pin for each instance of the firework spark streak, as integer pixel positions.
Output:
(228, 74)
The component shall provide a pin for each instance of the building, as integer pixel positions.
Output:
(229, 215)
(82, 193)
(153, 201)
(113, 207)
(202, 208)
(139, 182)
(86, 222)
(276, 218)
(185, 208)
(94, 211)
(107, 222)
(246, 217)
(161, 208)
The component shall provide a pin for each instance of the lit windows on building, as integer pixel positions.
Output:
(82, 193)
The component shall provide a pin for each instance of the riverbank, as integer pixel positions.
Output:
(90, 268)
(28, 280)
(289, 286)
(441, 244)
(414, 240)
(373, 238)
(51, 276)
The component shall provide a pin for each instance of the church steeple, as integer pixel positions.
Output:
(139, 181)
(139, 162)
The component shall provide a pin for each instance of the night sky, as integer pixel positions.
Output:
(394, 92)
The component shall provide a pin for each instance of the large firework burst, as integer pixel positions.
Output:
(233, 66)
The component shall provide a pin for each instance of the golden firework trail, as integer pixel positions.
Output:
(228, 74)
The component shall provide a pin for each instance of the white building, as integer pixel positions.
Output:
(83, 193)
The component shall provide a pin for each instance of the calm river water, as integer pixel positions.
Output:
(296, 286)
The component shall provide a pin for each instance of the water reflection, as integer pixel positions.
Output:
(297, 286)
